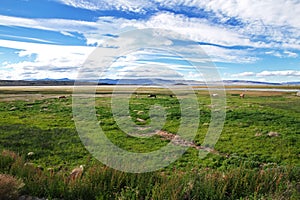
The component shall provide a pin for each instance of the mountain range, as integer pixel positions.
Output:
(66, 81)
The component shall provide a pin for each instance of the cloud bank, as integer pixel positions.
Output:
(230, 32)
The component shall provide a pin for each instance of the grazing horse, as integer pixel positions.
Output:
(62, 97)
(152, 95)
(242, 95)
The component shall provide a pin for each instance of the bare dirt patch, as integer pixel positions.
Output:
(177, 140)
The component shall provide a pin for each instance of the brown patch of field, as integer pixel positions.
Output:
(177, 140)
(31, 93)
(25, 97)
(264, 86)
(256, 93)
(44, 89)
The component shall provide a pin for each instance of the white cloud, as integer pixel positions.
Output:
(48, 24)
(194, 76)
(49, 60)
(282, 73)
(279, 73)
(269, 12)
(274, 53)
(192, 29)
(291, 54)
(243, 74)
(66, 33)
(284, 54)
(218, 54)
(150, 71)
(92, 31)
(274, 21)
(26, 38)
(143, 64)
(124, 5)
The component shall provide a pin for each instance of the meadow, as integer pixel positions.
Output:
(256, 156)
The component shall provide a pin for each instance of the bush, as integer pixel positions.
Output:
(9, 187)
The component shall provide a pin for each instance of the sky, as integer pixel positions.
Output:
(243, 39)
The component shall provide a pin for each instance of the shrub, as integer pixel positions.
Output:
(9, 187)
(10, 154)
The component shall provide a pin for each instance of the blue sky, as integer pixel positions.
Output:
(246, 39)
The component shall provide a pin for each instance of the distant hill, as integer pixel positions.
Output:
(292, 83)
(34, 82)
(185, 82)
(66, 81)
(242, 82)
(137, 82)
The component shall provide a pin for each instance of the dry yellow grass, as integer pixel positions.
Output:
(9, 187)
(32, 93)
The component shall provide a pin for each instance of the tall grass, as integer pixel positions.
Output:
(99, 182)
(9, 187)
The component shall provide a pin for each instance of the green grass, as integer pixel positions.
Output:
(248, 164)
(104, 183)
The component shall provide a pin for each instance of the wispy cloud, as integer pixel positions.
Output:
(274, 53)
(93, 31)
(124, 5)
(243, 74)
(279, 73)
(26, 38)
(48, 24)
(189, 29)
(288, 73)
(283, 54)
(194, 29)
(275, 20)
(291, 54)
(270, 12)
(49, 60)
(239, 32)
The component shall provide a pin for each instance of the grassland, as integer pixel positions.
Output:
(246, 162)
